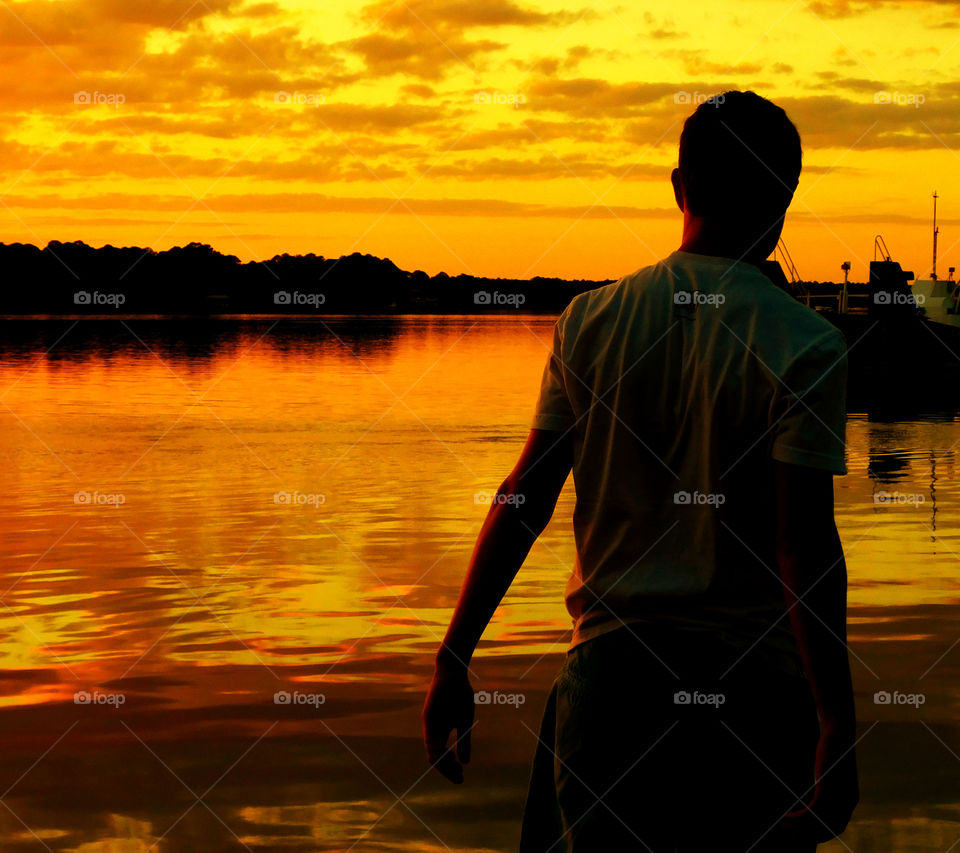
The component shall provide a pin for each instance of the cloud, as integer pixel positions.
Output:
(428, 38)
(581, 52)
(832, 80)
(852, 8)
(317, 203)
(418, 90)
(78, 35)
(573, 58)
(67, 22)
(398, 81)
(443, 14)
(491, 13)
(423, 55)
(197, 67)
(697, 61)
(656, 30)
(660, 33)
(877, 216)
(831, 121)
(550, 167)
(108, 158)
(241, 64)
(836, 8)
(810, 169)
(584, 96)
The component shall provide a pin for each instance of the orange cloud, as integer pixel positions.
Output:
(386, 93)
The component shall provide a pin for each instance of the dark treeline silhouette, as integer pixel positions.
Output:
(74, 278)
(196, 282)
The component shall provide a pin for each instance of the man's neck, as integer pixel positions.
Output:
(700, 238)
(721, 249)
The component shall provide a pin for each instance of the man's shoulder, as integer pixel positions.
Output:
(608, 297)
(782, 320)
(799, 326)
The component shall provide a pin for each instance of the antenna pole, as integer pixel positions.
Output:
(936, 230)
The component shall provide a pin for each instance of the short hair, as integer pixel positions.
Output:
(740, 155)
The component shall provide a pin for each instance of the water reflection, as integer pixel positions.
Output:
(288, 508)
(886, 467)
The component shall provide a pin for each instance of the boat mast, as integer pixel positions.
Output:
(933, 275)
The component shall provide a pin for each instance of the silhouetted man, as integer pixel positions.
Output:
(705, 703)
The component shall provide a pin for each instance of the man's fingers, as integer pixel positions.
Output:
(813, 825)
(448, 708)
(435, 739)
(464, 725)
(804, 825)
(447, 765)
(463, 742)
(440, 756)
(800, 821)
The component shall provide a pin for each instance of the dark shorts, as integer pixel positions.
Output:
(644, 746)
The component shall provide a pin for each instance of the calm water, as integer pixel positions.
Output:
(199, 518)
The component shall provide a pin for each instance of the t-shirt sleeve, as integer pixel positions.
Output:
(811, 429)
(553, 410)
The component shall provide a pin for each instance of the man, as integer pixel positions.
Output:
(705, 703)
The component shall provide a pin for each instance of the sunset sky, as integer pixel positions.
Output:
(293, 126)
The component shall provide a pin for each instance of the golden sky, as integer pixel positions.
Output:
(504, 138)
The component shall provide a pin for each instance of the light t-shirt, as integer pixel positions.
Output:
(681, 384)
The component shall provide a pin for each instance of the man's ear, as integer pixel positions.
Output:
(677, 187)
(793, 193)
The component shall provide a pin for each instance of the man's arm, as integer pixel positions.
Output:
(521, 510)
(814, 574)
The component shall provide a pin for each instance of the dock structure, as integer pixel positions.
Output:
(903, 339)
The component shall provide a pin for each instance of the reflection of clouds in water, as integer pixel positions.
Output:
(200, 597)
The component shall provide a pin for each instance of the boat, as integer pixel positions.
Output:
(890, 327)
(938, 300)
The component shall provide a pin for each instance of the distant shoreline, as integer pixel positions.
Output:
(77, 281)
(74, 279)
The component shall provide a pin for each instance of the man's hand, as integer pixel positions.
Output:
(812, 567)
(449, 706)
(509, 530)
(837, 790)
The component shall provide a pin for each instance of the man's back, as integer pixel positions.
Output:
(682, 383)
(701, 411)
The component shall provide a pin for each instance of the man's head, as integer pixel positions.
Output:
(739, 164)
